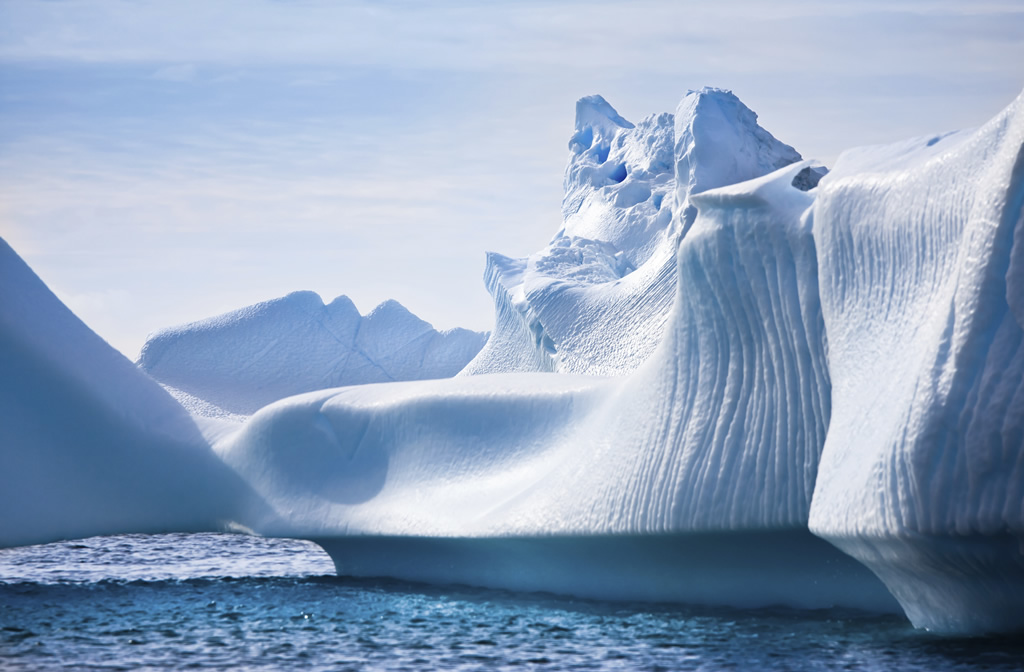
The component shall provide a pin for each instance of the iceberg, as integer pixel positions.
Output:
(237, 363)
(823, 408)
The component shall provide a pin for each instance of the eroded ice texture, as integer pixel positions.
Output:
(596, 299)
(243, 360)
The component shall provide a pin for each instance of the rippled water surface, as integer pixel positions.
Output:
(227, 601)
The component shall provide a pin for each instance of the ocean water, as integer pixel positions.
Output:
(207, 601)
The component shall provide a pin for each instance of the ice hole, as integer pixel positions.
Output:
(582, 140)
(809, 177)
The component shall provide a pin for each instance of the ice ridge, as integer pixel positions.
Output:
(89, 444)
(596, 299)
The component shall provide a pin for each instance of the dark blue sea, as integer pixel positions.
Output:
(207, 601)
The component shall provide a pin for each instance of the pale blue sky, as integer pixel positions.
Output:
(165, 161)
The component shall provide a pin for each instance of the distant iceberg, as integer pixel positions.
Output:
(248, 358)
(832, 383)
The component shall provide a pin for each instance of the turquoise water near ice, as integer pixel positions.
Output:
(170, 602)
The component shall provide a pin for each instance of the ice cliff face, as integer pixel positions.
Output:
(248, 358)
(842, 358)
(921, 251)
(596, 300)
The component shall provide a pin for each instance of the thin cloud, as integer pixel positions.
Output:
(202, 155)
(514, 37)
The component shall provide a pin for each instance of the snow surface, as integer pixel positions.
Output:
(596, 300)
(841, 357)
(241, 361)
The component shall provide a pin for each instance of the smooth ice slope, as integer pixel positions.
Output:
(248, 358)
(921, 250)
(88, 443)
(596, 299)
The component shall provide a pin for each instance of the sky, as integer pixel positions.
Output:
(163, 162)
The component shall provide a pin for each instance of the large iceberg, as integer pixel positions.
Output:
(826, 408)
(248, 358)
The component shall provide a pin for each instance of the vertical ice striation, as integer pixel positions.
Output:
(921, 253)
(596, 299)
(721, 429)
(741, 376)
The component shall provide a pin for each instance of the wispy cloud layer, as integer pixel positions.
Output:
(750, 36)
(200, 155)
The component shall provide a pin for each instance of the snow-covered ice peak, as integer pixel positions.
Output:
(718, 142)
(250, 357)
(617, 178)
(617, 209)
(599, 294)
(596, 124)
